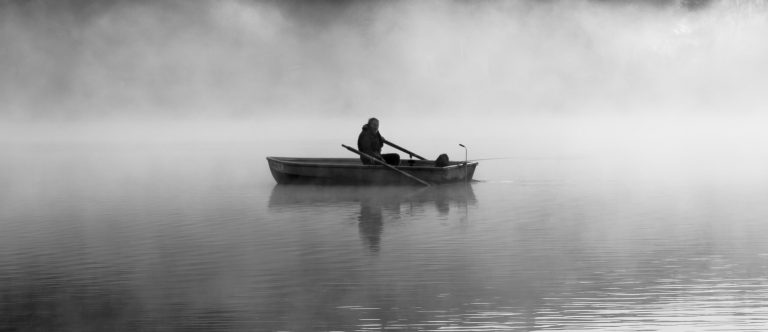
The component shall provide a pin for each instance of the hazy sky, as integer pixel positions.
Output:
(83, 59)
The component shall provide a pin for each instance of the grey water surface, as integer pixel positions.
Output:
(201, 238)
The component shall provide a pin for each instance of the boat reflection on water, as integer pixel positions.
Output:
(379, 203)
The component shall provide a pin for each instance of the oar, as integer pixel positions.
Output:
(387, 166)
(403, 149)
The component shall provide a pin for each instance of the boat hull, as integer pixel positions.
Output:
(349, 171)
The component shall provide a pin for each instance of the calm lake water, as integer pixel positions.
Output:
(199, 237)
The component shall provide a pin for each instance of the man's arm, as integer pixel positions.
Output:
(381, 141)
(366, 145)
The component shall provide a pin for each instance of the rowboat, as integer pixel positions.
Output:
(351, 171)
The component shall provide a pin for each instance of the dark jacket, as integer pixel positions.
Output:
(369, 142)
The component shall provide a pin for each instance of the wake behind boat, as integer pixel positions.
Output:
(351, 171)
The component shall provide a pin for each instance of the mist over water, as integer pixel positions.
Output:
(642, 76)
(248, 59)
(649, 74)
(625, 191)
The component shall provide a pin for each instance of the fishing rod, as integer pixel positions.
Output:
(525, 158)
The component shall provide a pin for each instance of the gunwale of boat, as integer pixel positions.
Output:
(355, 163)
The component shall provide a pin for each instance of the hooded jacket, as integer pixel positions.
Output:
(369, 142)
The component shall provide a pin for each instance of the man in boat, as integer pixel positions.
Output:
(370, 142)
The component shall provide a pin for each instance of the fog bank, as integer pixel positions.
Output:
(81, 60)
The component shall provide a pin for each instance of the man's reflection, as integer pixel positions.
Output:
(371, 223)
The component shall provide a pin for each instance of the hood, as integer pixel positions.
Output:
(366, 128)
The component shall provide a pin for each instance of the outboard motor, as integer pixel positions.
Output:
(442, 160)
